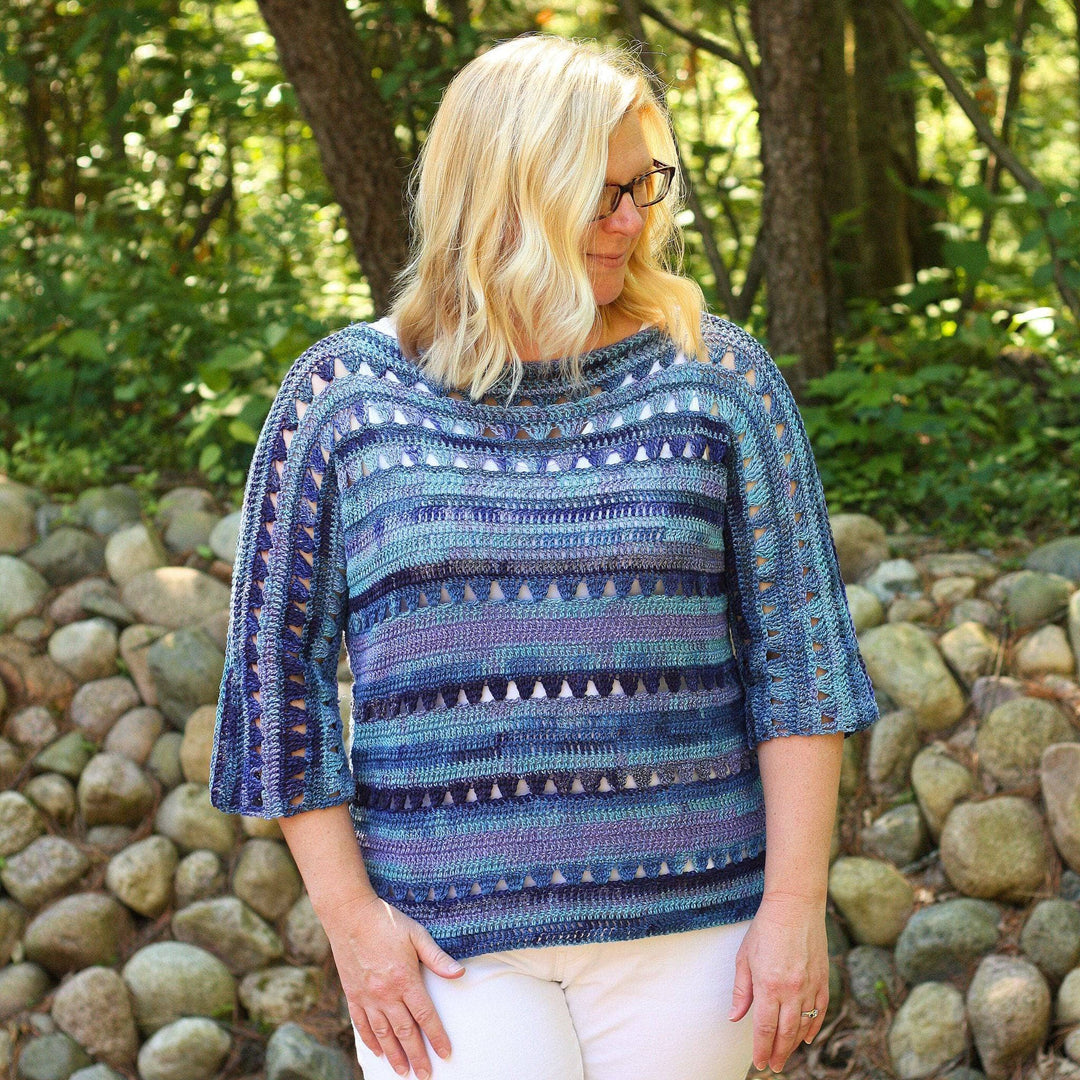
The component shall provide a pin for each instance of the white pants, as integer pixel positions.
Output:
(613, 1010)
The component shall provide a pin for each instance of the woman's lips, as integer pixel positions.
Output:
(609, 260)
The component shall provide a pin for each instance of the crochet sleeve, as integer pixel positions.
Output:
(791, 628)
(278, 741)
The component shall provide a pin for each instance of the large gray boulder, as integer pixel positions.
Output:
(903, 663)
(873, 896)
(995, 849)
(169, 980)
(229, 929)
(928, 1032)
(1008, 1005)
(193, 1048)
(94, 1008)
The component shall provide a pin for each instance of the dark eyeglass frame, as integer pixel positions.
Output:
(628, 189)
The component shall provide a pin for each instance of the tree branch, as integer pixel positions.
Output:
(705, 44)
(1023, 176)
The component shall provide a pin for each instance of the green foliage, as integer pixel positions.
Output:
(964, 424)
(117, 355)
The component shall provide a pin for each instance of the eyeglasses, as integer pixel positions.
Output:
(644, 190)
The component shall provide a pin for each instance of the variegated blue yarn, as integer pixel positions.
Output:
(570, 617)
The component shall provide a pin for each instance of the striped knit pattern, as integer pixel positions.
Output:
(571, 616)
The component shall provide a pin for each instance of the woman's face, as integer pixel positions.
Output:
(610, 241)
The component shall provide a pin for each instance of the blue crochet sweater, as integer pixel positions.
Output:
(570, 619)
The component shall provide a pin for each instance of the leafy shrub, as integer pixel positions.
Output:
(966, 424)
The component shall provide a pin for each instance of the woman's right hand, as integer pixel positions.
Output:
(378, 951)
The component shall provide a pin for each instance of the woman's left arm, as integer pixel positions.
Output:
(782, 965)
(805, 681)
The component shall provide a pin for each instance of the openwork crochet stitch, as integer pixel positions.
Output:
(571, 616)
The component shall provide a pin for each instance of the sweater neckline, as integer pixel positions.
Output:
(554, 373)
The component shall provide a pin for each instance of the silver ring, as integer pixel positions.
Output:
(812, 1013)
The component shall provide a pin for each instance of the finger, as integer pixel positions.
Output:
(384, 1032)
(766, 1020)
(411, 1038)
(742, 995)
(441, 962)
(821, 1003)
(788, 1028)
(419, 1003)
(366, 1035)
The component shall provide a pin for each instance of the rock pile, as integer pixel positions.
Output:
(143, 931)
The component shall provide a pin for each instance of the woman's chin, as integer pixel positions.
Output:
(606, 292)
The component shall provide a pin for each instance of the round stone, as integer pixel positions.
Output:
(970, 650)
(52, 794)
(894, 742)
(66, 555)
(995, 849)
(187, 817)
(229, 929)
(940, 782)
(32, 727)
(131, 551)
(169, 980)
(898, 836)
(93, 1007)
(135, 733)
(141, 876)
(22, 589)
(77, 932)
(51, 1057)
(1011, 740)
(279, 994)
(113, 790)
(186, 666)
(266, 878)
(1059, 776)
(20, 823)
(1008, 1006)
(940, 941)
(22, 986)
(305, 937)
(198, 744)
(86, 649)
(192, 1048)
(928, 1030)
(224, 535)
(98, 705)
(1051, 938)
(873, 896)
(872, 974)
(903, 663)
(174, 596)
(43, 869)
(1044, 652)
(199, 876)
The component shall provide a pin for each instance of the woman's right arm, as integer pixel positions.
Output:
(278, 741)
(375, 946)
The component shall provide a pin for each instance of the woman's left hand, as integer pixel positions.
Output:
(782, 967)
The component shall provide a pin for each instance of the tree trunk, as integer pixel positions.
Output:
(793, 207)
(324, 60)
(886, 124)
(841, 158)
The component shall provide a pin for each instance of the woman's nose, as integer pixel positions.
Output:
(628, 219)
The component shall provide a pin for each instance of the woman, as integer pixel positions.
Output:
(583, 600)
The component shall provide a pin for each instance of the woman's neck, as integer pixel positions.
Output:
(618, 327)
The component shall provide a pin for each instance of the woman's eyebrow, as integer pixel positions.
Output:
(641, 172)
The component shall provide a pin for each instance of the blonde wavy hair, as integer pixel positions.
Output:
(501, 197)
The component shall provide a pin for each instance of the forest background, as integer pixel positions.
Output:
(885, 192)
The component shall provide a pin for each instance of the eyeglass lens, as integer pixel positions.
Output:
(647, 189)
